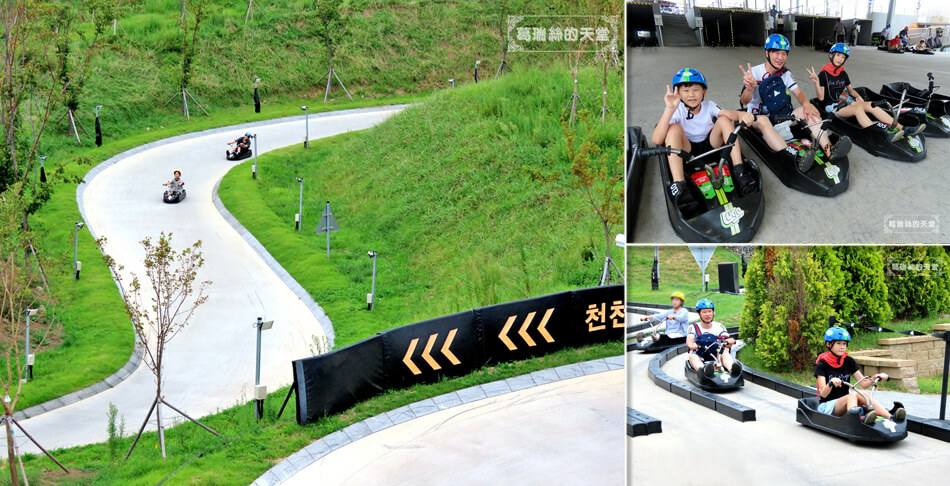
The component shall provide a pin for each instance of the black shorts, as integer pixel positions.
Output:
(699, 148)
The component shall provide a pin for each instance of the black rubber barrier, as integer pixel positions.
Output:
(639, 423)
(727, 407)
(814, 30)
(728, 27)
(933, 428)
(639, 18)
(455, 345)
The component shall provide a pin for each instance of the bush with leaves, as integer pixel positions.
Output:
(918, 280)
(865, 290)
(787, 313)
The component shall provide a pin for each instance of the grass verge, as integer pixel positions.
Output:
(255, 446)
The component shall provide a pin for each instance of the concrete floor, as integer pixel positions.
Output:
(880, 189)
(567, 432)
(210, 364)
(774, 449)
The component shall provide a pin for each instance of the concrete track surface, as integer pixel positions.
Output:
(210, 364)
(567, 432)
(881, 190)
(774, 449)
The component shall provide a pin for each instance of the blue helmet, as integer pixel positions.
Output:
(705, 304)
(778, 41)
(836, 334)
(248, 134)
(689, 76)
(842, 48)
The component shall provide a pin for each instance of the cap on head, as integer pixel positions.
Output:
(778, 41)
(836, 334)
(688, 75)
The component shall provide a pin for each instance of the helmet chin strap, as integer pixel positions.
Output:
(689, 109)
(769, 60)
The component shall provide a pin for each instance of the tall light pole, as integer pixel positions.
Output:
(299, 217)
(306, 139)
(77, 265)
(477, 62)
(29, 358)
(254, 166)
(452, 81)
(371, 298)
(260, 391)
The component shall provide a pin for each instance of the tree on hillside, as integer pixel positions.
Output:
(864, 291)
(918, 280)
(331, 24)
(20, 292)
(32, 84)
(600, 179)
(503, 29)
(174, 294)
(188, 51)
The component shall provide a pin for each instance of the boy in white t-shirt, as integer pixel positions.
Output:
(777, 102)
(699, 357)
(691, 123)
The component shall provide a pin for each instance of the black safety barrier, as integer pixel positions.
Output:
(729, 408)
(455, 345)
(814, 30)
(257, 101)
(98, 133)
(639, 423)
(933, 428)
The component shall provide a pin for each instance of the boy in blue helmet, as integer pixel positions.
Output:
(834, 368)
(703, 338)
(765, 91)
(241, 144)
(677, 319)
(692, 123)
(834, 90)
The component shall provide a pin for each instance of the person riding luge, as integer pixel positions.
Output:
(834, 368)
(675, 320)
(692, 123)
(765, 91)
(176, 185)
(704, 339)
(834, 90)
(241, 145)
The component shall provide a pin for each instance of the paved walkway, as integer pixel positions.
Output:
(557, 426)
(209, 365)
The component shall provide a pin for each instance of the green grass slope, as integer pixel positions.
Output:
(449, 195)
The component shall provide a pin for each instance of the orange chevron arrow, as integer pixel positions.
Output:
(504, 334)
(445, 347)
(544, 322)
(524, 328)
(426, 356)
(407, 359)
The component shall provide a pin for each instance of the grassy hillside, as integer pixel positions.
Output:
(679, 271)
(394, 47)
(448, 193)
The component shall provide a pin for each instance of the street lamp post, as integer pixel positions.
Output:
(29, 358)
(477, 62)
(371, 298)
(77, 265)
(260, 391)
(306, 139)
(299, 217)
(452, 81)
(254, 167)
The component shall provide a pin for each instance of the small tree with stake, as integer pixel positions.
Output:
(330, 26)
(601, 181)
(187, 58)
(175, 295)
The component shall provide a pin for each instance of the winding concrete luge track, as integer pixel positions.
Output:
(774, 449)
(210, 364)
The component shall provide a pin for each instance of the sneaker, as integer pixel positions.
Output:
(638, 337)
(736, 371)
(841, 148)
(899, 415)
(895, 136)
(910, 132)
(744, 179)
(710, 369)
(683, 198)
(870, 418)
(806, 161)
